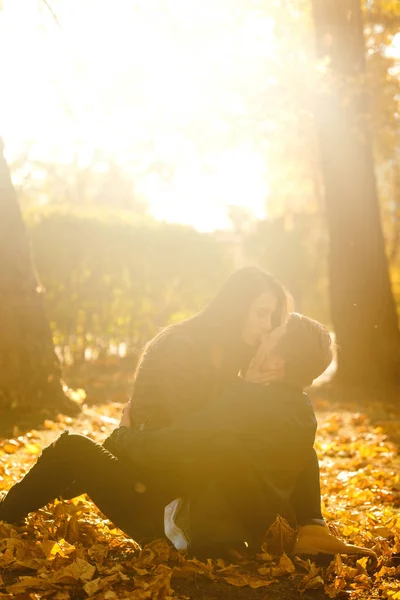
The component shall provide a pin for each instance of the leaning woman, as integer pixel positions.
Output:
(185, 367)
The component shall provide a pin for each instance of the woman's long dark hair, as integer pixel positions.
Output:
(221, 321)
(223, 318)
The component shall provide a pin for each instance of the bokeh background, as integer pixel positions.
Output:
(155, 146)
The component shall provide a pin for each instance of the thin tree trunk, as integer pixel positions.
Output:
(29, 368)
(363, 308)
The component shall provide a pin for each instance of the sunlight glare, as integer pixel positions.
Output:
(131, 79)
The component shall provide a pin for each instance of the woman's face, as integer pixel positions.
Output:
(259, 318)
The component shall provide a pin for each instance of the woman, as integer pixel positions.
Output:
(183, 368)
(187, 364)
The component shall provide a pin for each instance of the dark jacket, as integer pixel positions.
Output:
(273, 423)
(255, 437)
(175, 377)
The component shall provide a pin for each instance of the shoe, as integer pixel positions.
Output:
(316, 539)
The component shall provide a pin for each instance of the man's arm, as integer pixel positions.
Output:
(246, 411)
(178, 445)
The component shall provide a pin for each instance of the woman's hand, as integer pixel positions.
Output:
(126, 415)
(255, 374)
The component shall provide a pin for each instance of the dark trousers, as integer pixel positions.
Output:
(75, 459)
(138, 510)
(306, 496)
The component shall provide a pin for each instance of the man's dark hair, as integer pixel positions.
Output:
(306, 348)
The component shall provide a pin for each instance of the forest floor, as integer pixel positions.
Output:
(68, 551)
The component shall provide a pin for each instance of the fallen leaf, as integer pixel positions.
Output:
(78, 570)
(96, 585)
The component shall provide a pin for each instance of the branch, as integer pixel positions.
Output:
(53, 14)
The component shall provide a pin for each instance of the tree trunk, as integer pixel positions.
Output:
(363, 309)
(29, 368)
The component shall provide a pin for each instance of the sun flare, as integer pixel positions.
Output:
(144, 83)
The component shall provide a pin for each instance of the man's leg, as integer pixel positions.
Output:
(108, 482)
(252, 503)
(306, 496)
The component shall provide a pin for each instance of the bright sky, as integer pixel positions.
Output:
(160, 80)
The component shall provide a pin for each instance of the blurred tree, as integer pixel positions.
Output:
(29, 369)
(363, 309)
(292, 149)
(99, 181)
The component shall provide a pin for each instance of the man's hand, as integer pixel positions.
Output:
(266, 366)
(266, 355)
(126, 415)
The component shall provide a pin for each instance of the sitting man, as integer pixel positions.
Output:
(258, 438)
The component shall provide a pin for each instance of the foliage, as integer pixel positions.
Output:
(294, 248)
(260, 104)
(117, 278)
(98, 182)
(291, 144)
(68, 551)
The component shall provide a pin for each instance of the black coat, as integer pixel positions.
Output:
(251, 445)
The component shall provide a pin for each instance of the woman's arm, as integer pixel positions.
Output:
(174, 379)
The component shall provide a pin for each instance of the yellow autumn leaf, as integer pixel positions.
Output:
(193, 567)
(11, 447)
(33, 448)
(31, 564)
(96, 585)
(28, 583)
(338, 565)
(241, 580)
(78, 570)
(51, 549)
(382, 532)
(362, 564)
(62, 595)
(140, 571)
(157, 551)
(312, 576)
(349, 530)
(255, 582)
(314, 583)
(265, 556)
(67, 531)
(330, 591)
(349, 572)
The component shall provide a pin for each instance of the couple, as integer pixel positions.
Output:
(218, 430)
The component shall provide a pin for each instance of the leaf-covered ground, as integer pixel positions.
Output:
(68, 551)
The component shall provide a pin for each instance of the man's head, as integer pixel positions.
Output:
(302, 346)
